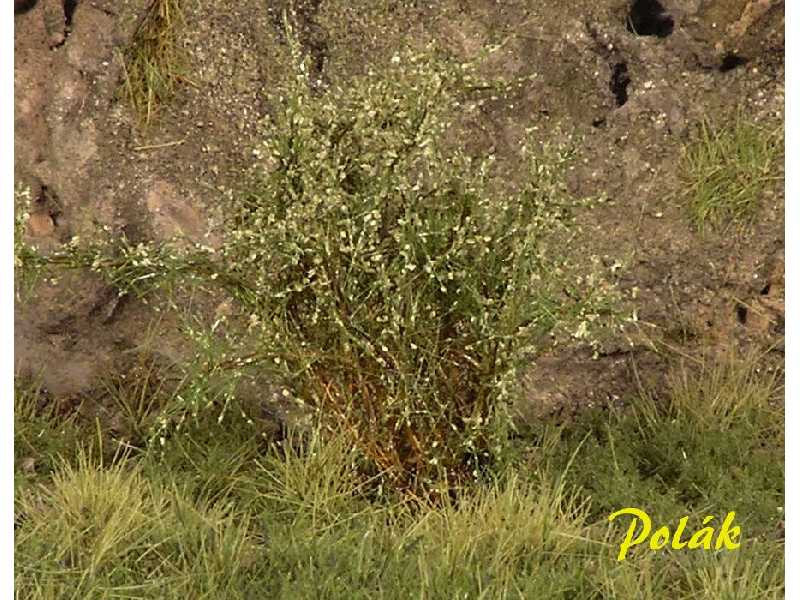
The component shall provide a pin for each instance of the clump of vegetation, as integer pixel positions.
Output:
(100, 531)
(378, 275)
(726, 168)
(386, 282)
(154, 63)
(42, 437)
(393, 288)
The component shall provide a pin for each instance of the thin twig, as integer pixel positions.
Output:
(157, 146)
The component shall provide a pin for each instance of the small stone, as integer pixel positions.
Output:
(173, 213)
(41, 225)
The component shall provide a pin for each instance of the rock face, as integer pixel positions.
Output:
(64, 71)
(64, 79)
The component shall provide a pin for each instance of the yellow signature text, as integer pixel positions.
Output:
(641, 526)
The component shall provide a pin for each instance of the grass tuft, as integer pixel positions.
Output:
(83, 525)
(726, 169)
(154, 63)
(42, 436)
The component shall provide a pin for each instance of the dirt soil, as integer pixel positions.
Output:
(629, 80)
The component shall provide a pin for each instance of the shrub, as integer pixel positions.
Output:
(393, 287)
(388, 284)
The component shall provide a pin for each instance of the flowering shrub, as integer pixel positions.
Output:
(388, 285)
(391, 287)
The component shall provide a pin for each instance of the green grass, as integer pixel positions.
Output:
(154, 62)
(40, 437)
(216, 513)
(726, 169)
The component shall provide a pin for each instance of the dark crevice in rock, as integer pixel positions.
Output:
(619, 82)
(741, 314)
(23, 6)
(69, 11)
(730, 61)
(68, 8)
(648, 17)
(48, 201)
